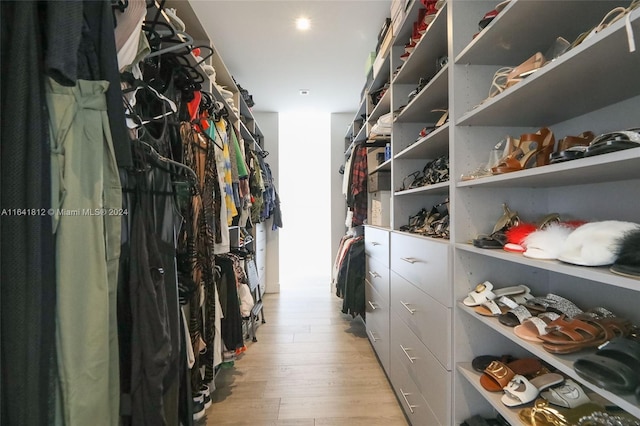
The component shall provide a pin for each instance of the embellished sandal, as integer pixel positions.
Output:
(572, 147)
(497, 238)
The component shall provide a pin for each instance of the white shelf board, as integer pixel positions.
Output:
(433, 145)
(381, 108)
(406, 28)
(567, 18)
(473, 377)
(435, 240)
(233, 117)
(435, 189)
(599, 274)
(435, 95)
(611, 167)
(563, 363)
(362, 134)
(432, 45)
(246, 134)
(556, 93)
(383, 74)
(386, 166)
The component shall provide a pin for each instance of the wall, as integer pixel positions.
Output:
(268, 123)
(339, 124)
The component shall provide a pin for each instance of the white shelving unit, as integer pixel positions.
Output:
(593, 86)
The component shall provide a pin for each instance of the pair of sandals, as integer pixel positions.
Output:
(497, 238)
(587, 144)
(614, 367)
(531, 150)
(435, 171)
(431, 223)
(521, 380)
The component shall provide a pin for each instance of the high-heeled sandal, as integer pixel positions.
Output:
(499, 82)
(528, 67)
(506, 77)
(497, 238)
(568, 147)
(530, 152)
(614, 15)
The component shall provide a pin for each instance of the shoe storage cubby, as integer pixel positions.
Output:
(592, 86)
(571, 94)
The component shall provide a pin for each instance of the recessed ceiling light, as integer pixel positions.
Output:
(303, 23)
(304, 92)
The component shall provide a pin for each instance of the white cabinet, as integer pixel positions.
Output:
(593, 86)
(261, 254)
(376, 246)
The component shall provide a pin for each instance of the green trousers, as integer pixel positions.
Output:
(87, 202)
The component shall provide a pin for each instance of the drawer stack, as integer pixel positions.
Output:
(376, 243)
(261, 255)
(420, 328)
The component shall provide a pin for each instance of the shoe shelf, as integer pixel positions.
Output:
(362, 135)
(382, 77)
(433, 145)
(473, 377)
(386, 166)
(423, 60)
(611, 167)
(563, 363)
(246, 134)
(406, 27)
(556, 92)
(599, 274)
(592, 86)
(508, 40)
(435, 189)
(382, 107)
(357, 118)
(435, 95)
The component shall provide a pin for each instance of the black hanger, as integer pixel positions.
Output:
(166, 162)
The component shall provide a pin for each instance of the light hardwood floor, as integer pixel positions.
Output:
(312, 366)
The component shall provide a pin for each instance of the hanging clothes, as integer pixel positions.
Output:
(152, 343)
(202, 230)
(350, 283)
(28, 299)
(357, 196)
(87, 250)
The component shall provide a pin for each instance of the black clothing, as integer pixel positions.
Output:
(150, 334)
(81, 45)
(27, 277)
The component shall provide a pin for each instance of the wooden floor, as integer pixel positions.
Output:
(312, 366)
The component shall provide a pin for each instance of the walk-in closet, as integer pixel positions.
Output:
(458, 243)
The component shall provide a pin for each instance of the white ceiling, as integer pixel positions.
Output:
(270, 58)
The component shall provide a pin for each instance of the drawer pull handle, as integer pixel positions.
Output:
(410, 260)
(373, 338)
(404, 395)
(406, 306)
(374, 243)
(411, 358)
(374, 274)
(372, 305)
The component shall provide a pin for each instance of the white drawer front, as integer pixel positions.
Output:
(376, 244)
(423, 263)
(433, 381)
(415, 407)
(261, 232)
(261, 258)
(378, 275)
(425, 316)
(378, 324)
